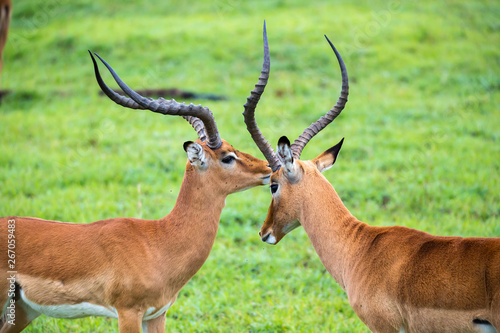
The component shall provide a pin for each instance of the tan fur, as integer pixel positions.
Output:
(395, 277)
(5, 14)
(126, 263)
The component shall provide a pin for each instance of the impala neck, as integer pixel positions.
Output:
(332, 230)
(199, 203)
(189, 231)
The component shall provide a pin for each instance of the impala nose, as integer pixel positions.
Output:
(269, 239)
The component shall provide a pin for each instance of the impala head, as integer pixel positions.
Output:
(210, 156)
(293, 179)
(228, 169)
(289, 184)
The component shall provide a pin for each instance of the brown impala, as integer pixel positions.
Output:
(5, 14)
(397, 279)
(126, 268)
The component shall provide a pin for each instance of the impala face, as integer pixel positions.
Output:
(288, 185)
(228, 169)
(283, 214)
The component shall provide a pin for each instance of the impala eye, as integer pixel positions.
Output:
(274, 188)
(228, 159)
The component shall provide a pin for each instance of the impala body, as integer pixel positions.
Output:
(126, 268)
(130, 269)
(397, 279)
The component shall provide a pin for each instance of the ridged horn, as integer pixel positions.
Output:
(251, 104)
(313, 129)
(192, 113)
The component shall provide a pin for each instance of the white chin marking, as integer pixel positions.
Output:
(265, 181)
(271, 240)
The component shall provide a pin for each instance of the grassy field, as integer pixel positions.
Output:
(422, 129)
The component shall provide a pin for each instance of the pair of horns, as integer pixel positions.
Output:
(310, 131)
(202, 119)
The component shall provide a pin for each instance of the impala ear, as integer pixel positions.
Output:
(195, 154)
(326, 159)
(285, 155)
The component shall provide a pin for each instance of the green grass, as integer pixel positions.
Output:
(422, 131)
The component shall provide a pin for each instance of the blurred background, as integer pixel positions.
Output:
(421, 128)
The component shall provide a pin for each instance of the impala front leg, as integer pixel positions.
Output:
(156, 325)
(16, 319)
(22, 319)
(129, 320)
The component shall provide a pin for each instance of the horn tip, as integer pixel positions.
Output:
(91, 55)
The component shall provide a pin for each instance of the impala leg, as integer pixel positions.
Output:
(24, 315)
(129, 321)
(17, 314)
(495, 310)
(156, 325)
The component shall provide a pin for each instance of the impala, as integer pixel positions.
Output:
(397, 279)
(5, 13)
(126, 268)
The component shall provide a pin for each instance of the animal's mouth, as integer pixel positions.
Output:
(265, 179)
(269, 239)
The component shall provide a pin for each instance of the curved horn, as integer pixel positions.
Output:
(129, 102)
(251, 104)
(322, 122)
(172, 107)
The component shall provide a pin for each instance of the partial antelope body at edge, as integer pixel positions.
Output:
(5, 16)
(127, 268)
(397, 279)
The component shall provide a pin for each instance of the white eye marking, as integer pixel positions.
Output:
(229, 158)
